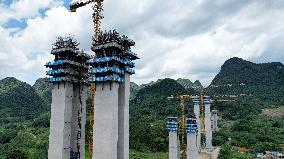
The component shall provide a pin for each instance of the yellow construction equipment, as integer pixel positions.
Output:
(182, 109)
(97, 16)
(202, 130)
(90, 137)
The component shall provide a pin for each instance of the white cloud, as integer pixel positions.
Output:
(22, 9)
(173, 38)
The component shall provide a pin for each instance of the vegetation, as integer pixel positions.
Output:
(148, 155)
(43, 89)
(226, 152)
(24, 121)
(19, 100)
(247, 128)
(25, 113)
(148, 113)
(240, 77)
(242, 119)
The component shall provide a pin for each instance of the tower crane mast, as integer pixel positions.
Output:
(182, 109)
(97, 16)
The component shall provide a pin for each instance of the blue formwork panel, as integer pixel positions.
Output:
(105, 59)
(206, 102)
(55, 63)
(129, 70)
(54, 72)
(172, 127)
(57, 79)
(196, 102)
(106, 78)
(206, 99)
(105, 70)
(108, 59)
(191, 125)
(191, 128)
(172, 124)
(132, 55)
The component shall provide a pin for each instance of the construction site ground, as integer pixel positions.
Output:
(273, 112)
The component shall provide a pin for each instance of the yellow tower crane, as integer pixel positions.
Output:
(182, 109)
(202, 130)
(97, 16)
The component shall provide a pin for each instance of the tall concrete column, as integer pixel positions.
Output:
(61, 121)
(197, 115)
(208, 129)
(105, 138)
(174, 146)
(192, 129)
(215, 120)
(192, 149)
(123, 118)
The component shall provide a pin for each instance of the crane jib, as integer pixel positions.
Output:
(75, 5)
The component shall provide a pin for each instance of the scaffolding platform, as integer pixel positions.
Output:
(172, 124)
(113, 58)
(191, 125)
(69, 63)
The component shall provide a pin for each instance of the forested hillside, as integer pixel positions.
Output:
(24, 121)
(187, 84)
(148, 113)
(19, 100)
(24, 111)
(251, 88)
(43, 89)
(243, 78)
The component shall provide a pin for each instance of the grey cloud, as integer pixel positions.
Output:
(192, 21)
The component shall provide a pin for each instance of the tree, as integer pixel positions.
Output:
(225, 152)
(16, 154)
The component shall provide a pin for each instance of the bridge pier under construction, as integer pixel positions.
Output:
(108, 72)
(68, 107)
(200, 123)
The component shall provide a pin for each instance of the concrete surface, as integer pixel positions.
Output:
(123, 118)
(105, 127)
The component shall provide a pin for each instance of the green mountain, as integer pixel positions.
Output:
(243, 78)
(186, 83)
(19, 99)
(43, 89)
(134, 88)
(253, 87)
(197, 85)
(24, 121)
(148, 113)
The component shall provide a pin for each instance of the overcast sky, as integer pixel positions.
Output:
(174, 38)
